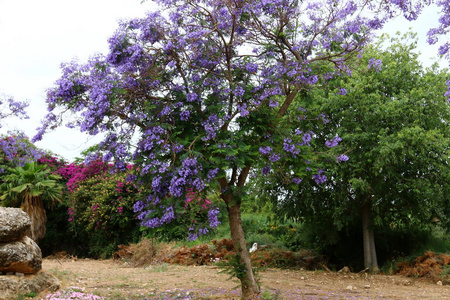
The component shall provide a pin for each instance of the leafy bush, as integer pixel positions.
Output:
(259, 228)
(101, 212)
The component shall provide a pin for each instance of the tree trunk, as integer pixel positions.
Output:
(245, 274)
(370, 255)
(249, 285)
(35, 209)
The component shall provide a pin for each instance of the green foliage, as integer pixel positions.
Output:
(101, 213)
(232, 265)
(445, 272)
(264, 230)
(393, 122)
(27, 295)
(30, 181)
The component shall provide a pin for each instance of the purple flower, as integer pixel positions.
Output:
(266, 170)
(184, 115)
(375, 64)
(251, 68)
(213, 217)
(296, 180)
(307, 138)
(238, 91)
(342, 91)
(265, 150)
(342, 158)
(191, 97)
(319, 178)
(243, 109)
(275, 157)
(333, 142)
(151, 223)
(138, 206)
(212, 173)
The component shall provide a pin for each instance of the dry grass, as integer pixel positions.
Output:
(148, 252)
(430, 265)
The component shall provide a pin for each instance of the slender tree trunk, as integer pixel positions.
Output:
(248, 281)
(370, 255)
(249, 285)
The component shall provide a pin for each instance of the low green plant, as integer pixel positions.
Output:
(445, 275)
(233, 266)
(27, 295)
(269, 295)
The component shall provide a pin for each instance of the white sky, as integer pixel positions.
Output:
(37, 35)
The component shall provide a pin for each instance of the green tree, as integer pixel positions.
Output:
(393, 117)
(30, 187)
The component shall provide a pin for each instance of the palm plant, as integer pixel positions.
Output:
(30, 187)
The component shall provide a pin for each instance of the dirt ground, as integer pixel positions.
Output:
(116, 280)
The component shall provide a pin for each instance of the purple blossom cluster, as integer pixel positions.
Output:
(375, 64)
(16, 149)
(10, 107)
(320, 177)
(342, 157)
(333, 142)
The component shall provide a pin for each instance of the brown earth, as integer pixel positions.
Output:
(114, 279)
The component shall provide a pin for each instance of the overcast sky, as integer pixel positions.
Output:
(37, 35)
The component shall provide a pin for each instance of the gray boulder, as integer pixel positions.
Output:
(14, 224)
(12, 286)
(22, 256)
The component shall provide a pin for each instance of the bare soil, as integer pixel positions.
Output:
(114, 279)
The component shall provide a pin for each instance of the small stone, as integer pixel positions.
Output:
(302, 278)
(349, 287)
(439, 282)
(344, 270)
(19, 274)
(367, 286)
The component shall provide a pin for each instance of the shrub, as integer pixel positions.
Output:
(100, 211)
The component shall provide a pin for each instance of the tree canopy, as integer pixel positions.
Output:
(393, 119)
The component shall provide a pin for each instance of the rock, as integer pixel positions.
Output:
(22, 256)
(344, 270)
(12, 286)
(439, 282)
(14, 224)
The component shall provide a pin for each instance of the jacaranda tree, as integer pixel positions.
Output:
(197, 97)
(16, 150)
